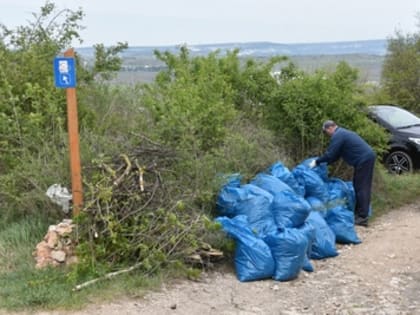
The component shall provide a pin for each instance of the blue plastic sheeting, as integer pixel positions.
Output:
(323, 245)
(253, 258)
(283, 173)
(289, 248)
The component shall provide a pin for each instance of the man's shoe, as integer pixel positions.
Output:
(361, 221)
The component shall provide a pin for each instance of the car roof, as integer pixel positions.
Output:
(380, 107)
(384, 106)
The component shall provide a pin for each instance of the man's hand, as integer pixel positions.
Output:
(312, 164)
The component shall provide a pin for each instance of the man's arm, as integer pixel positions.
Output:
(332, 153)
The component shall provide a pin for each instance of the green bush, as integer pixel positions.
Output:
(301, 102)
(191, 102)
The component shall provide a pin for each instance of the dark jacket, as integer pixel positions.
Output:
(349, 146)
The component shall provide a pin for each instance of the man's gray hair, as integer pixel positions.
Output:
(327, 124)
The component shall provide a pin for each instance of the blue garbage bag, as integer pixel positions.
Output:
(280, 171)
(321, 169)
(229, 195)
(340, 194)
(351, 195)
(351, 205)
(289, 209)
(288, 248)
(309, 231)
(270, 183)
(231, 179)
(253, 259)
(341, 221)
(249, 200)
(323, 245)
(313, 183)
(317, 205)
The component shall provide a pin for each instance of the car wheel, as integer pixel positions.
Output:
(399, 162)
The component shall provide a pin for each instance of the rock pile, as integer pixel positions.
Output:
(57, 247)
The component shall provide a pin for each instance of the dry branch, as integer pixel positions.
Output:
(106, 277)
(133, 211)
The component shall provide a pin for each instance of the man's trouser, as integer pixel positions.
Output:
(362, 183)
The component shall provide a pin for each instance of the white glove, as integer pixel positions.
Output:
(312, 164)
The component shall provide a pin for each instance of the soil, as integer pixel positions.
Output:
(379, 276)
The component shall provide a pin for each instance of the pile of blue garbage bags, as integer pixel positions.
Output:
(283, 218)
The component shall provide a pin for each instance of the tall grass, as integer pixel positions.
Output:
(18, 240)
(22, 286)
(392, 192)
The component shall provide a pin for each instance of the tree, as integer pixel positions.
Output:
(401, 70)
(33, 110)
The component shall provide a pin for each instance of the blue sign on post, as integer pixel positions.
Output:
(64, 72)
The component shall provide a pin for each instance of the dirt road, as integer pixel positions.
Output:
(379, 276)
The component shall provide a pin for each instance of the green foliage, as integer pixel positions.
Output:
(22, 190)
(401, 70)
(255, 84)
(107, 61)
(248, 148)
(118, 115)
(191, 102)
(50, 31)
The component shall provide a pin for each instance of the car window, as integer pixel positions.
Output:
(397, 117)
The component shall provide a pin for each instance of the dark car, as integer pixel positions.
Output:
(403, 155)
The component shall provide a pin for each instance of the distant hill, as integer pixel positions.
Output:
(140, 64)
(264, 49)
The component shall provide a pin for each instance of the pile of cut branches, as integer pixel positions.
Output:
(137, 214)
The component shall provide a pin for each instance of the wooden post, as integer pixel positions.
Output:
(73, 131)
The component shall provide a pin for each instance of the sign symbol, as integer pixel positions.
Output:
(64, 72)
(65, 79)
(63, 66)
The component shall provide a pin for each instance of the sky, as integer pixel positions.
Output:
(192, 22)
